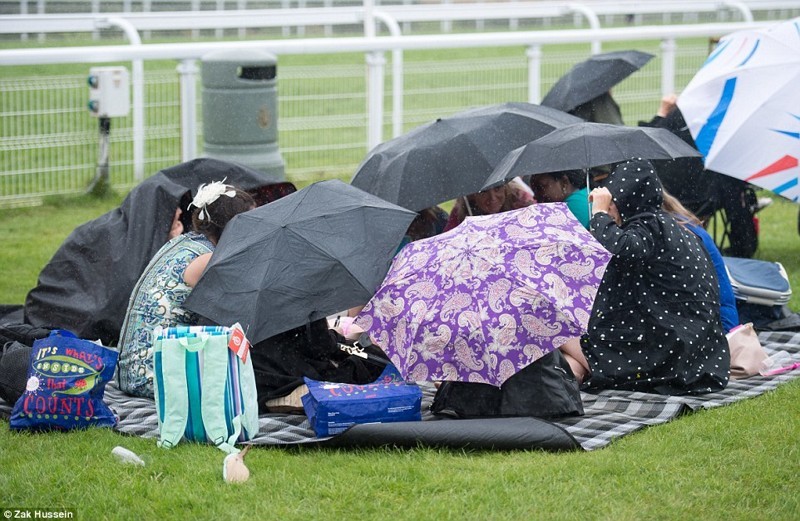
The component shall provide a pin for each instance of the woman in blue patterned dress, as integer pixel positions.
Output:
(158, 296)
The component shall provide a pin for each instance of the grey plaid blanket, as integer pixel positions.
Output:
(608, 414)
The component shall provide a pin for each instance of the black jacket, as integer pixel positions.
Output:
(655, 325)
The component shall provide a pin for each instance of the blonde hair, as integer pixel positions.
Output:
(673, 206)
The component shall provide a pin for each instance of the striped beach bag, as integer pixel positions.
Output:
(204, 390)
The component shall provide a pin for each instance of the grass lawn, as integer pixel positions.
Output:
(736, 462)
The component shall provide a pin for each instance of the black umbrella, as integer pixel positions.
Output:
(451, 157)
(587, 145)
(86, 285)
(315, 252)
(593, 77)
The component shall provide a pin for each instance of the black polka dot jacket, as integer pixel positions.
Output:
(655, 326)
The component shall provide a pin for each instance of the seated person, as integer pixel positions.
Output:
(85, 287)
(428, 222)
(564, 187)
(602, 109)
(168, 279)
(728, 312)
(655, 325)
(510, 196)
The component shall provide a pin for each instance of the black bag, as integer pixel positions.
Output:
(14, 361)
(546, 389)
(282, 361)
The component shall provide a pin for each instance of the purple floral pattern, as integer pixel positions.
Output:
(484, 300)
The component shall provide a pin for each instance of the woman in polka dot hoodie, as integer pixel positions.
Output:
(655, 326)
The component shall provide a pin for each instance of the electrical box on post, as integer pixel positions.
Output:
(109, 92)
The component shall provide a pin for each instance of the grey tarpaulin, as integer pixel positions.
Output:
(86, 285)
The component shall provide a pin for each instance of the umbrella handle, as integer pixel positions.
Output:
(588, 190)
(467, 206)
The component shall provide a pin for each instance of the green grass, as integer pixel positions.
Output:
(734, 463)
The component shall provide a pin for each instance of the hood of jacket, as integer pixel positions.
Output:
(635, 188)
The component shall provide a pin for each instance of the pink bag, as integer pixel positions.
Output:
(747, 355)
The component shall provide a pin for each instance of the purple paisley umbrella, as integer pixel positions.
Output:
(487, 298)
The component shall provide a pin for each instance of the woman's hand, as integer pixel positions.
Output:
(601, 200)
(668, 104)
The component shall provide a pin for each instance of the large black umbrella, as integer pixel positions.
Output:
(86, 285)
(593, 77)
(451, 157)
(320, 250)
(587, 145)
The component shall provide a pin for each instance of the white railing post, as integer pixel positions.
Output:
(218, 33)
(397, 73)
(286, 30)
(534, 54)
(147, 6)
(241, 5)
(328, 28)
(188, 70)
(23, 9)
(594, 22)
(747, 14)
(446, 25)
(513, 23)
(376, 63)
(40, 9)
(668, 49)
(137, 80)
(195, 6)
(95, 6)
(301, 29)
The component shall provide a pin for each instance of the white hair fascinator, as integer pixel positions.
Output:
(207, 193)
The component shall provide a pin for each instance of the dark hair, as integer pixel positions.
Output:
(576, 178)
(220, 212)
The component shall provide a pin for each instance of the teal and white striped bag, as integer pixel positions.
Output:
(204, 392)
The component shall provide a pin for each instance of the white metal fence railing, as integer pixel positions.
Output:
(49, 145)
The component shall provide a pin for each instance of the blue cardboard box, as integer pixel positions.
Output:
(333, 407)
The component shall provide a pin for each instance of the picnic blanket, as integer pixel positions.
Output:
(608, 414)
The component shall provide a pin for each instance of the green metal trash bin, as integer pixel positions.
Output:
(240, 109)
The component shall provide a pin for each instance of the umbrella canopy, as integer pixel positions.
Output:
(743, 107)
(587, 145)
(317, 251)
(593, 77)
(489, 297)
(86, 285)
(451, 157)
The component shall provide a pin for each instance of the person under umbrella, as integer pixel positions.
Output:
(585, 90)
(568, 187)
(510, 196)
(481, 304)
(85, 287)
(655, 325)
(158, 297)
(283, 268)
(451, 156)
